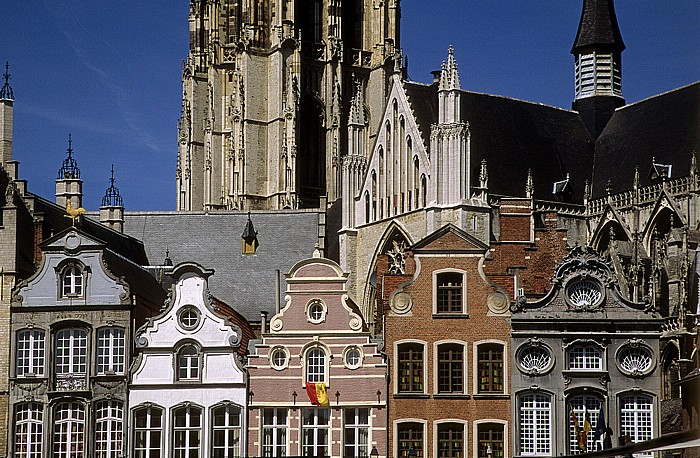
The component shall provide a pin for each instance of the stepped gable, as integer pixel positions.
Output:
(247, 282)
(663, 127)
(514, 136)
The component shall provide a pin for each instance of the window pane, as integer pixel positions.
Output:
(449, 293)
(450, 368)
(316, 366)
(490, 368)
(410, 437)
(450, 440)
(636, 416)
(490, 440)
(30, 352)
(274, 432)
(410, 368)
(147, 432)
(69, 430)
(108, 429)
(226, 432)
(535, 424)
(29, 430)
(111, 347)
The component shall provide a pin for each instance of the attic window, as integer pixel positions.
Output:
(72, 282)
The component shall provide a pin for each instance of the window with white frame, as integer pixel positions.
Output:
(71, 353)
(187, 432)
(450, 440)
(226, 432)
(29, 430)
(410, 438)
(188, 363)
(356, 432)
(148, 432)
(535, 424)
(188, 317)
(490, 362)
(316, 311)
(449, 294)
(315, 432)
(450, 368)
(585, 358)
(491, 440)
(72, 284)
(586, 408)
(635, 359)
(279, 358)
(410, 367)
(31, 352)
(109, 429)
(69, 430)
(636, 419)
(111, 349)
(274, 432)
(316, 365)
(353, 357)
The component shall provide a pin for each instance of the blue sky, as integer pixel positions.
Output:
(109, 74)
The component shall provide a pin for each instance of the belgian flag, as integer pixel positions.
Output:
(317, 394)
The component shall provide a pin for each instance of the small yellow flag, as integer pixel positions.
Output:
(321, 394)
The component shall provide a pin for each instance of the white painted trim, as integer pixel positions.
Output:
(396, 363)
(436, 273)
(465, 363)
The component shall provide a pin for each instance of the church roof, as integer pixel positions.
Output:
(662, 129)
(245, 282)
(598, 26)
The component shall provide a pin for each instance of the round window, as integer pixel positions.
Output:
(584, 293)
(316, 312)
(188, 317)
(353, 358)
(534, 360)
(278, 358)
(635, 360)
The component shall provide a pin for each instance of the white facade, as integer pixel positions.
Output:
(188, 391)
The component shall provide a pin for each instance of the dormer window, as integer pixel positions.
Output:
(72, 282)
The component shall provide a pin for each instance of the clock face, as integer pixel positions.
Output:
(584, 293)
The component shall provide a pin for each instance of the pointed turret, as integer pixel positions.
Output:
(597, 50)
(112, 208)
(7, 100)
(69, 186)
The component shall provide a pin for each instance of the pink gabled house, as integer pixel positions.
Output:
(318, 336)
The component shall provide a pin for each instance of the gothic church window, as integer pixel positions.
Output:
(30, 353)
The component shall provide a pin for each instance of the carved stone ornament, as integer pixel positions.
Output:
(397, 258)
(401, 303)
(276, 324)
(497, 302)
(141, 342)
(71, 383)
(235, 339)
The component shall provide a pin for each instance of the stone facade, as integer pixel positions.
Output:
(319, 337)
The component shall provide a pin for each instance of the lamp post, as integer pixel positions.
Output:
(489, 450)
(374, 453)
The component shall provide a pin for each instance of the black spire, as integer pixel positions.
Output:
(249, 233)
(6, 91)
(69, 169)
(598, 27)
(112, 197)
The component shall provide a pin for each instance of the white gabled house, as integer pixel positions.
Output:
(188, 389)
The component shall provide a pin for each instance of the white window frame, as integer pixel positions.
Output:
(316, 371)
(316, 311)
(475, 366)
(535, 423)
(274, 428)
(30, 354)
(534, 371)
(581, 404)
(69, 431)
(351, 421)
(397, 345)
(187, 447)
(73, 281)
(189, 318)
(637, 420)
(436, 274)
(275, 363)
(436, 434)
(586, 358)
(436, 362)
(148, 430)
(109, 428)
(111, 350)
(317, 429)
(346, 357)
(232, 424)
(76, 347)
(193, 363)
(29, 430)
(475, 432)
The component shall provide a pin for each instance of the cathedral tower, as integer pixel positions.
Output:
(598, 52)
(267, 86)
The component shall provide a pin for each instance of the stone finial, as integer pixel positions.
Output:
(636, 177)
(483, 175)
(449, 77)
(693, 164)
(6, 90)
(357, 112)
(586, 190)
(529, 187)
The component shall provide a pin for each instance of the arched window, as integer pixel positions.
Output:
(670, 374)
(72, 282)
(111, 348)
(449, 288)
(30, 352)
(148, 432)
(316, 365)
(188, 363)
(187, 431)
(226, 431)
(535, 424)
(109, 429)
(586, 408)
(490, 360)
(637, 419)
(423, 190)
(450, 368)
(71, 359)
(367, 206)
(69, 430)
(410, 367)
(29, 430)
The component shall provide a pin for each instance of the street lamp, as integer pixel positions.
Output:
(374, 453)
(489, 450)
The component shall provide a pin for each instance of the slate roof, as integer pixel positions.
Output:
(598, 26)
(665, 127)
(213, 240)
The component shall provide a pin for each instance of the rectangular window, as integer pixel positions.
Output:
(315, 432)
(535, 425)
(111, 348)
(109, 429)
(491, 368)
(410, 436)
(30, 352)
(490, 440)
(226, 432)
(71, 351)
(450, 440)
(636, 419)
(585, 408)
(274, 431)
(29, 430)
(356, 432)
(410, 368)
(148, 432)
(585, 358)
(451, 368)
(449, 292)
(187, 432)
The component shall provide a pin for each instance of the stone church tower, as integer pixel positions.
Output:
(267, 86)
